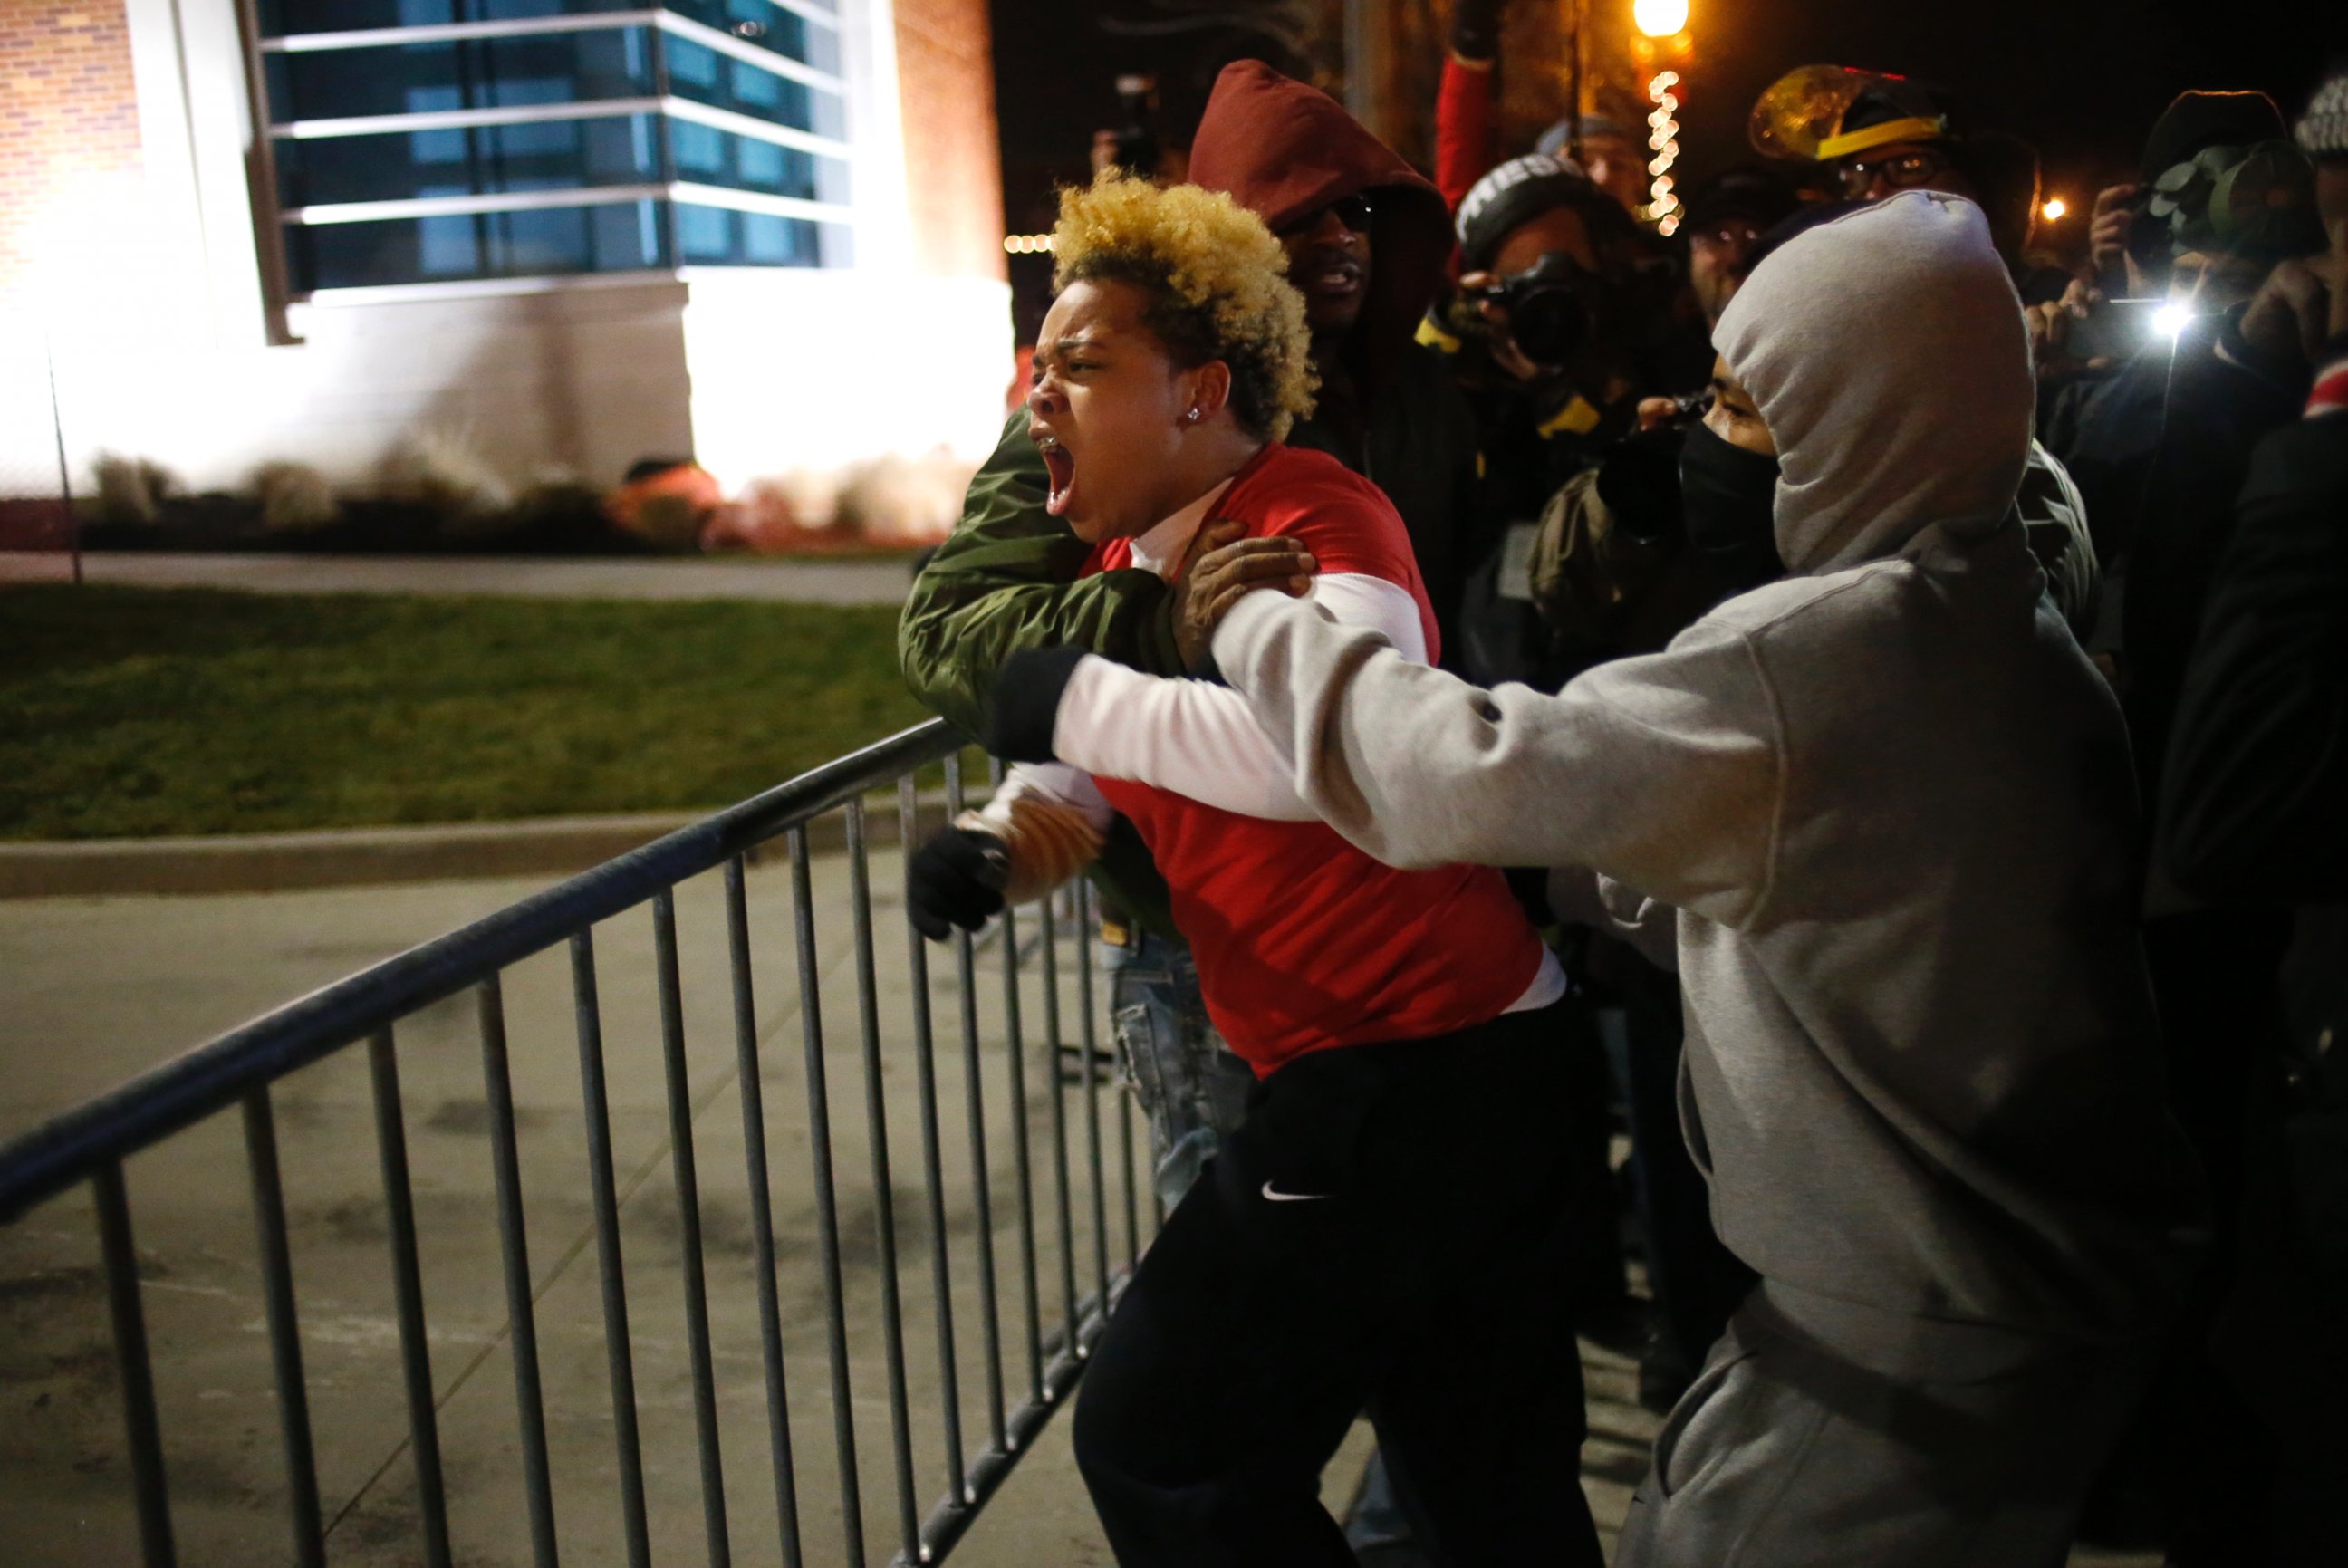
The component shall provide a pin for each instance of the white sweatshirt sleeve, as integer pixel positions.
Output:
(1203, 740)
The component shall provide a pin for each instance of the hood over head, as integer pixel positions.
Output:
(1283, 150)
(1885, 350)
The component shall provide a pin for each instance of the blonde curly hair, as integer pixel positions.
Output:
(1217, 282)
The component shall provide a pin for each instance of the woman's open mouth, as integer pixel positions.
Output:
(1062, 467)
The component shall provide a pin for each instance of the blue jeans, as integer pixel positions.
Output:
(1191, 1087)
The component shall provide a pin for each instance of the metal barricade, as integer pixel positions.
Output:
(836, 1277)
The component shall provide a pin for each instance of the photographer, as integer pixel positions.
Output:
(2257, 769)
(1552, 339)
(2162, 448)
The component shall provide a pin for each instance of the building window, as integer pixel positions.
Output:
(438, 140)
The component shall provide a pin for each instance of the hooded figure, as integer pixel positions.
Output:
(1886, 801)
(1289, 152)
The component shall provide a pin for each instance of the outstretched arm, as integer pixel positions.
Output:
(1661, 772)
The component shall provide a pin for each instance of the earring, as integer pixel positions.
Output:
(1193, 416)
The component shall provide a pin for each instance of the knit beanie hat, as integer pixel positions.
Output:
(2323, 130)
(1511, 196)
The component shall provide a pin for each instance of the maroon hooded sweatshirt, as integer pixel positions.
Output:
(1284, 149)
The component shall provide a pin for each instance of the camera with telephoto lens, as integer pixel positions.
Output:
(1548, 306)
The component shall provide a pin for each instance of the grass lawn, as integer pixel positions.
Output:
(130, 712)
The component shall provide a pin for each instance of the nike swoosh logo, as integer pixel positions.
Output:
(1293, 1197)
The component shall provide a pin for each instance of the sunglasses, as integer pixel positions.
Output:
(1901, 171)
(1354, 212)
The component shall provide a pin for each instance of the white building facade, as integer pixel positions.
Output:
(566, 233)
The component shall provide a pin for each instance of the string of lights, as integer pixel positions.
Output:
(1663, 140)
(1027, 245)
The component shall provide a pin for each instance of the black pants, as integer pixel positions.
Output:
(1383, 1233)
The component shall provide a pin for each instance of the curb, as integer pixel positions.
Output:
(360, 857)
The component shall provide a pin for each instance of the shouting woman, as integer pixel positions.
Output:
(1385, 1231)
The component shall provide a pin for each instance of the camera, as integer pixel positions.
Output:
(1550, 319)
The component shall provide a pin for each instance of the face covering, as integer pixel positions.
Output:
(1730, 497)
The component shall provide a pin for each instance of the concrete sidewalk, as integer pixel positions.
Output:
(94, 990)
(784, 581)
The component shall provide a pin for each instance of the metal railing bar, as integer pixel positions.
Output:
(407, 1286)
(1015, 1048)
(1016, 1058)
(1087, 921)
(688, 1205)
(210, 1077)
(521, 1315)
(981, 1186)
(925, 1072)
(618, 1352)
(284, 1328)
(144, 1427)
(884, 1205)
(569, 1254)
(827, 1211)
(762, 1215)
(1051, 1047)
(951, 1519)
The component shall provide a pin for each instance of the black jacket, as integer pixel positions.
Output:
(2255, 808)
(2159, 452)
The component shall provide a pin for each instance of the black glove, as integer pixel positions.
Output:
(1024, 708)
(956, 879)
(1476, 30)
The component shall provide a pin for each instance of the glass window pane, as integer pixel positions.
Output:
(554, 155)
(623, 237)
(718, 236)
(474, 73)
(705, 76)
(769, 26)
(746, 164)
(279, 18)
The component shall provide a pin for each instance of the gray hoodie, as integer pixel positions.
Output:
(1889, 796)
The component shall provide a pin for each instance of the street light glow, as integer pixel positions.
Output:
(1660, 19)
(2053, 209)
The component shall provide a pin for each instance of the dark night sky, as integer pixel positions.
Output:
(2082, 81)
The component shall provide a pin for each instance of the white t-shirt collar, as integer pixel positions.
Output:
(1159, 550)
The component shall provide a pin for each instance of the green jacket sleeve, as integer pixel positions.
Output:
(1006, 580)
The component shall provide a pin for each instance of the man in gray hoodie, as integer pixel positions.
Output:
(1886, 802)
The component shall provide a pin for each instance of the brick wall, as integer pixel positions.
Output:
(68, 108)
(953, 180)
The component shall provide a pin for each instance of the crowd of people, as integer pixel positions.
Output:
(1855, 707)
